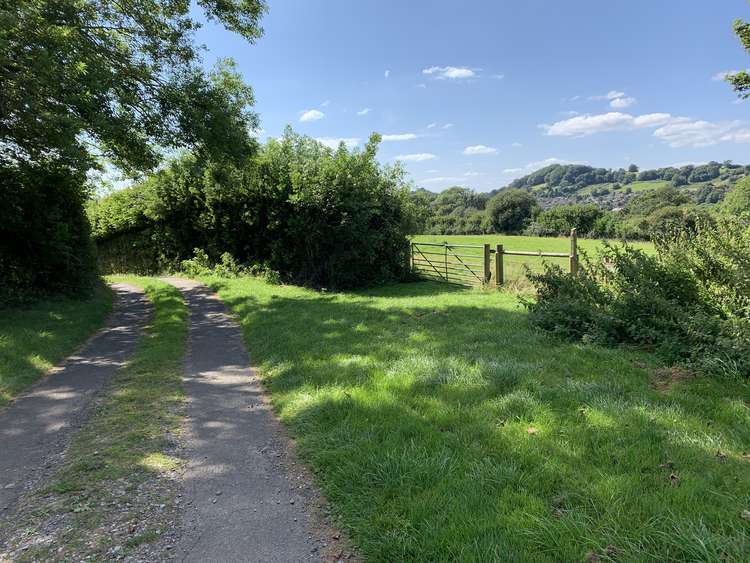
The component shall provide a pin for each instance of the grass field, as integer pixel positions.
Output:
(443, 428)
(35, 337)
(113, 488)
(514, 265)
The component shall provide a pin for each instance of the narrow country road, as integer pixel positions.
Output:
(36, 427)
(242, 502)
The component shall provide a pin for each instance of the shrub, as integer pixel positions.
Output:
(314, 215)
(45, 245)
(690, 302)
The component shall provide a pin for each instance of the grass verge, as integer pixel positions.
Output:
(35, 337)
(441, 427)
(113, 495)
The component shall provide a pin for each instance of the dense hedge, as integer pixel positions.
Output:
(44, 235)
(690, 302)
(316, 216)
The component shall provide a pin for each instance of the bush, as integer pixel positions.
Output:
(560, 220)
(45, 245)
(316, 216)
(511, 210)
(690, 303)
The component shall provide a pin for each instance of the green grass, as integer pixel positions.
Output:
(35, 337)
(514, 265)
(116, 468)
(441, 427)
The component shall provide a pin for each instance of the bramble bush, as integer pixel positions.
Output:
(690, 302)
(316, 216)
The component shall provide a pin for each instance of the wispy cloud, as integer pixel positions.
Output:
(449, 72)
(479, 149)
(416, 157)
(676, 131)
(400, 137)
(617, 99)
(334, 142)
(447, 126)
(431, 125)
(472, 173)
(516, 145)
(325, 104)
(387, 73)
(536, 165)
(364, 111)
(311, 115)
(621, 103)
(498, 76)
(441, 180)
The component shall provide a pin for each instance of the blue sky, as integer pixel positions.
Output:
(476, 93)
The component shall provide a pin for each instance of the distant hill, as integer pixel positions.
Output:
(560, 184)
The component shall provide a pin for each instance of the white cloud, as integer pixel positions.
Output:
(583, 125)
(400, 137)
(440, 180)
(479, 149)
(387, 73)
(498, 76)
(621, 103)
(311, 115)
(432, 125)
(684, 132)
(516, 145)
(421, 85)
(673, 130)
(611, 95)
(472, 173)
(364, 111)
(334, 142)
(447, 125)
(449, 72)
(536, 165)
(417, 157)
(325, 104)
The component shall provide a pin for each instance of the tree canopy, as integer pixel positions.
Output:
(741, 80)
(119, 78)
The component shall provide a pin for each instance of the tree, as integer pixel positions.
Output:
(86, 79)
(511, 209)
(741, 80)
(123, 77)
(633, 168)
(737, 201)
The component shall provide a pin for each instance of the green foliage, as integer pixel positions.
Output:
(127, 78)
(44, 235)
(511, 210)
(560, 220)
(737, 201)
(316, 216)
(741, 80)
(85, 79)
(690, 302)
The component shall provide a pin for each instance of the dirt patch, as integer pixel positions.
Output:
(666, 378)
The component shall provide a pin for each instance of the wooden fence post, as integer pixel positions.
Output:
(573, 251)
(410, 256)
(499, 274)
(487, 271)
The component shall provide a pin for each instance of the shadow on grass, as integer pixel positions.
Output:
(443, 428)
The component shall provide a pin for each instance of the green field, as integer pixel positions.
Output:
(35, 337)
(442, 427)
(514, 265)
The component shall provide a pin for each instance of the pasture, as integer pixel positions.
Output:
(514, 265)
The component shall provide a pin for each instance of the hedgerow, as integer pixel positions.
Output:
(320, 217)
(690, 302)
